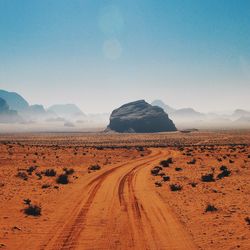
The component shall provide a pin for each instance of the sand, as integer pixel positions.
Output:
(119, 206)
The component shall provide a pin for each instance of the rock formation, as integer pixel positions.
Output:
(140, 117)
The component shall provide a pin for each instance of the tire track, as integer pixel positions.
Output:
(67, 238)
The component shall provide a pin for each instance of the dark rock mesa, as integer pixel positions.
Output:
(140, 117)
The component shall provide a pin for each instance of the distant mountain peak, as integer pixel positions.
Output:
(14, 100)
(168, 109)
(66, 110)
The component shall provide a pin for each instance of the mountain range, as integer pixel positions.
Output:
(16, 109)
(189, 117)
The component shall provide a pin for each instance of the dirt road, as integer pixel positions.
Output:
(118, 208)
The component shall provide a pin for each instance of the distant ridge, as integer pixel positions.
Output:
(164, 106)
(14, 100)
(66, 110)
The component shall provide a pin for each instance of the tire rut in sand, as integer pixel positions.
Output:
(68, 237)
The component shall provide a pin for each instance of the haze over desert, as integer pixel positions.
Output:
(124, 125)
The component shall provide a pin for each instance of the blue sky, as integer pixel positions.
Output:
(100, 54)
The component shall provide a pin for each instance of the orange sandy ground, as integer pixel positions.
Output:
(119, 206)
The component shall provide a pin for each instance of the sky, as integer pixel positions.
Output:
(100, 54)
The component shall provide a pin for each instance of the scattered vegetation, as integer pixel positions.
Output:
(62, 179)
(193, 184)
(155, 171)
(69, 171)
(94, 167)
(158, 184)
(166, 178)
(45, 186)
(31, 169)
(22, 175)
(211, 208)
(39, 175)
(224, 172)
(178, 169)
(33, 210)
(50, 172)
(207, 178)
(166, 163)
(247, 219)
(175, 187)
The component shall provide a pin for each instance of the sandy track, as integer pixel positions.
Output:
(119, 209)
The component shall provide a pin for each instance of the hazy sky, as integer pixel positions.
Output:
(100, 54)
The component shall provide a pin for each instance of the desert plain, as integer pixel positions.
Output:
(125, 191)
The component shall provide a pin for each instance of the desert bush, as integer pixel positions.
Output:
(69, 171)
(166, 163)
(33, 210)
(211, 208)
(27, 201)
(161, 174)
(224, 172)
(50, 172)
(22, 175)
(156, 170)
(39, 175)
(158, 184)
(62, 179)
(222, 168)
(166, 178)
(247, 219)
(45, 186)
(178, 169)
(193, 184)
(175, 187)
(207, 178)
(231, 161)
(94, 167)
(31, 169)
(140, 148)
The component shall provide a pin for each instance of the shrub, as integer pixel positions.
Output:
(22, 175)
(69, 171)
(62, 179)
(45, 186)
(27, 201)
(158, 184)
(193, 184)
(207, 178)
(161, 174)
(31, 169)
(178, 169)
(156, 170)
(33, 210)
(211, 208)
(39, 175)
(222, 168)
(50, 172)
(164, 163)
(166, 178)
(175, 187)
(247, 219)
(94, 167)
(224, 173)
